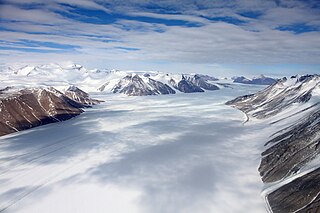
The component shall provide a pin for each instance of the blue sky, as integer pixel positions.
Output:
(280, 37)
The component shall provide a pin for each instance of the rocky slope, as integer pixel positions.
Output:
(22, 109)
(290, 163)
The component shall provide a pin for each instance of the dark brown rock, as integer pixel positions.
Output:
(300, 195)
(27, 108)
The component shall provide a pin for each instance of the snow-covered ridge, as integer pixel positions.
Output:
(108, 81)
(290, 161)
(286, 93)
(260, 80)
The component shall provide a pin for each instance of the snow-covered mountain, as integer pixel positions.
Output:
(56, 75)
(139, 86)
(280, 96)
(260, 80)
(154, 83)
(29, 107)
(290, 162)
(133, 83)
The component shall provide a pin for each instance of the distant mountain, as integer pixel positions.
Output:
(261, 80)
(136, 86)
(159, 83)
(133, 83)
(289, 163)
(278, 97)
(30, 107)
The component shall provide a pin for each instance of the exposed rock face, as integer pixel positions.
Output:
(261, 80)
(300, 195)
(292, 149)
(295, 146)
(187, 86)
(135, 86)
(27, 108)
(161, 88)
(78, 95)
(132, 85)
(145, 85)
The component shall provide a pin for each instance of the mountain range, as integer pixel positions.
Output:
(132, 83)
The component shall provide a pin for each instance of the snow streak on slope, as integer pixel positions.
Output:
(164, 154)
(290, 160)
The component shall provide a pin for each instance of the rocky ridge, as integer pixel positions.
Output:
(290, 161)
(25, 108)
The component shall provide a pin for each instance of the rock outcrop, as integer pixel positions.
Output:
(22, 109)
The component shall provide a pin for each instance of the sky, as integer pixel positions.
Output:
(273, 37)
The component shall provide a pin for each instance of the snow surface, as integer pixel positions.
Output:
(160, 154)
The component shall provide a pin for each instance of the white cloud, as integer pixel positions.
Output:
(254, 42)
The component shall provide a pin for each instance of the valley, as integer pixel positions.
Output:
(181, 153)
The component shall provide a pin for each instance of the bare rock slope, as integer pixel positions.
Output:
(22, 109)
(290, 158)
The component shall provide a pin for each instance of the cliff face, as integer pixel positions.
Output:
(27, 108)
(289, 163)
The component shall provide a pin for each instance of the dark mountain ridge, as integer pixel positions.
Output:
(291, 151)
(22, 109)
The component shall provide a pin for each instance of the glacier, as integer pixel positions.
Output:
(182, 153)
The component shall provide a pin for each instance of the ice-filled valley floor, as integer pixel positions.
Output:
(183, 153)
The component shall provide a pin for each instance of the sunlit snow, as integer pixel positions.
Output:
(160, 154)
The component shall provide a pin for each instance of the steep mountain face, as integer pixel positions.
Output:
(136, 86)
(161, 88)
(261, 80)
(133, 85)
(30, 107)
(140, 85)
(290, 162)
(187, 86)
(78, 95)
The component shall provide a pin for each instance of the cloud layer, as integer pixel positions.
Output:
(160, 34)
